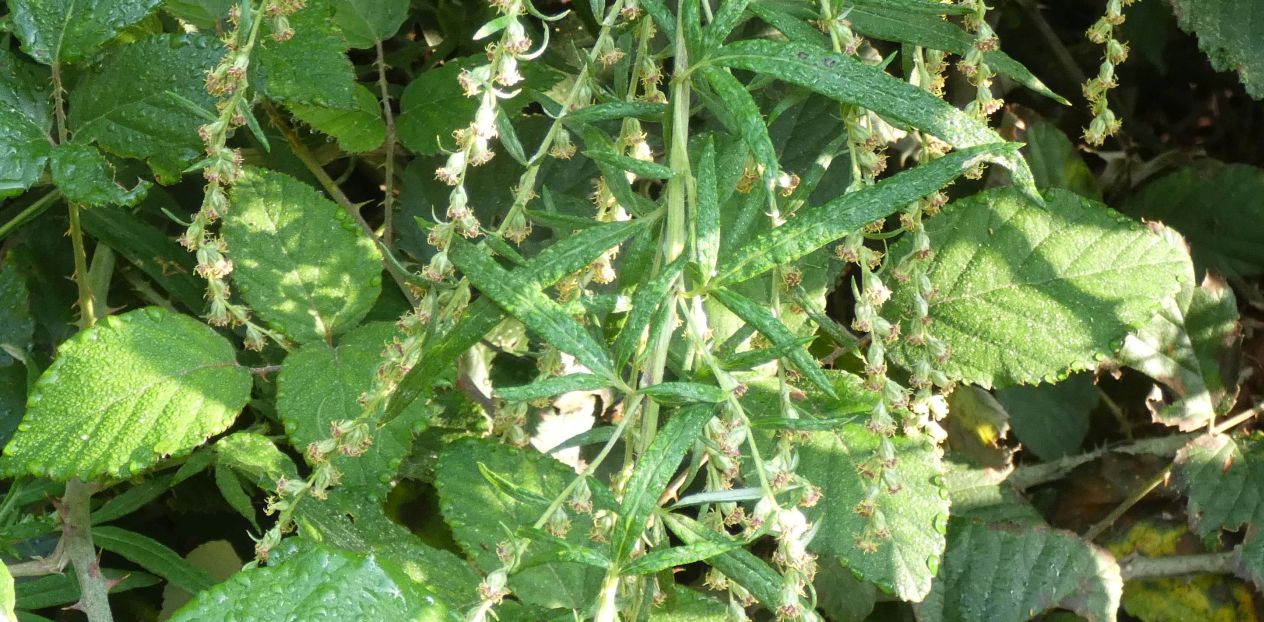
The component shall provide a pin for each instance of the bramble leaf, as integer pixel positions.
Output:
(1051, 420)
(1028, 293)
(1229, 33)
(25, 122)
(125, 394)
(301, 262)
(129, 106)
(319, 385)
(311, 67)
(358, 129)
(1191, 347)
(1221, 476)
(58, 31)
(366, 21)
(1214, 206)
(1011, 573)
(17, 327)
(84, 176)
(319, 583)
(483, 515)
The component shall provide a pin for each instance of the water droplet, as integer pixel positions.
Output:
(932, 564)
(155, 313)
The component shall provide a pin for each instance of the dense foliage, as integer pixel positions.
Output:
(629, 310)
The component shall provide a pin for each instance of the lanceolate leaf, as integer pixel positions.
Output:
(1028, 293)
(745, 113)
(776, 332)
(25, 122)
(816, 227)
(665, 559)
(320, 384)
(552, 386)
(57, 31)
(84, 176)
(318, 583)
(1010, 573)
(130, 106)
(357, 129)
(565, 257)
(525, 300)
(301, 262)
(121, 396)
(654, 469)
(153, 556)
(482, 516)
(848, 80)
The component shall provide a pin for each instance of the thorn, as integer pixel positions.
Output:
(110, 584)
(78, 606)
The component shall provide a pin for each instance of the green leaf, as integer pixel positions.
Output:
(665, 559)
(319, 583)
(1220, 474)
(149, 248)
(1216, 207)
(740, 565)
(7, 594)
(141, 386)
(319, 385)
(84, 176)
(483, 516)
(810, 230)
(1051, 420)
(200, 13)
(850, 81)
(1191, 347)
(617, 110)
(355, 522)
(311, 67)
(365, 21)
(745, 113)
(895, 22)
(684, 392)
(136, 497)
(58, 31)
(550, 387)
(153, 556)
(234, 493)
(916, 515)
(640, 168)
(1027, 293)
(1055, 163)
(525, 299)
(653, 470)
(1229, 32)
(358, 129)
(558, 260)
(130, 106)
(433, 105)
(63, 589)
(994, 573)
(647, 299)
(301, 262)
(776, 332)
(254, 456)
(685, 605)
(25, 122)
(17, 327)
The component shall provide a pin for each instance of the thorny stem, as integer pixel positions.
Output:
(388, 200)
(76, 503)
(1149, 567)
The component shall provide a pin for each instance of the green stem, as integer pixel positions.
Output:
(388, 199)
(31, 211)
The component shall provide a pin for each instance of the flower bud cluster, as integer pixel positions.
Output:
(974, 66)
(222, 167)
(486, 82)
(1096, 89)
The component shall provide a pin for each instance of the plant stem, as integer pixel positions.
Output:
(1133, 499)
(388, 199)
(1148, 567)
(31, 211)
(77, 536)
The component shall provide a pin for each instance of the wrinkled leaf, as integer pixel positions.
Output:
(142, 386)
(57, 31)
(357, 129)
(85, 177)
